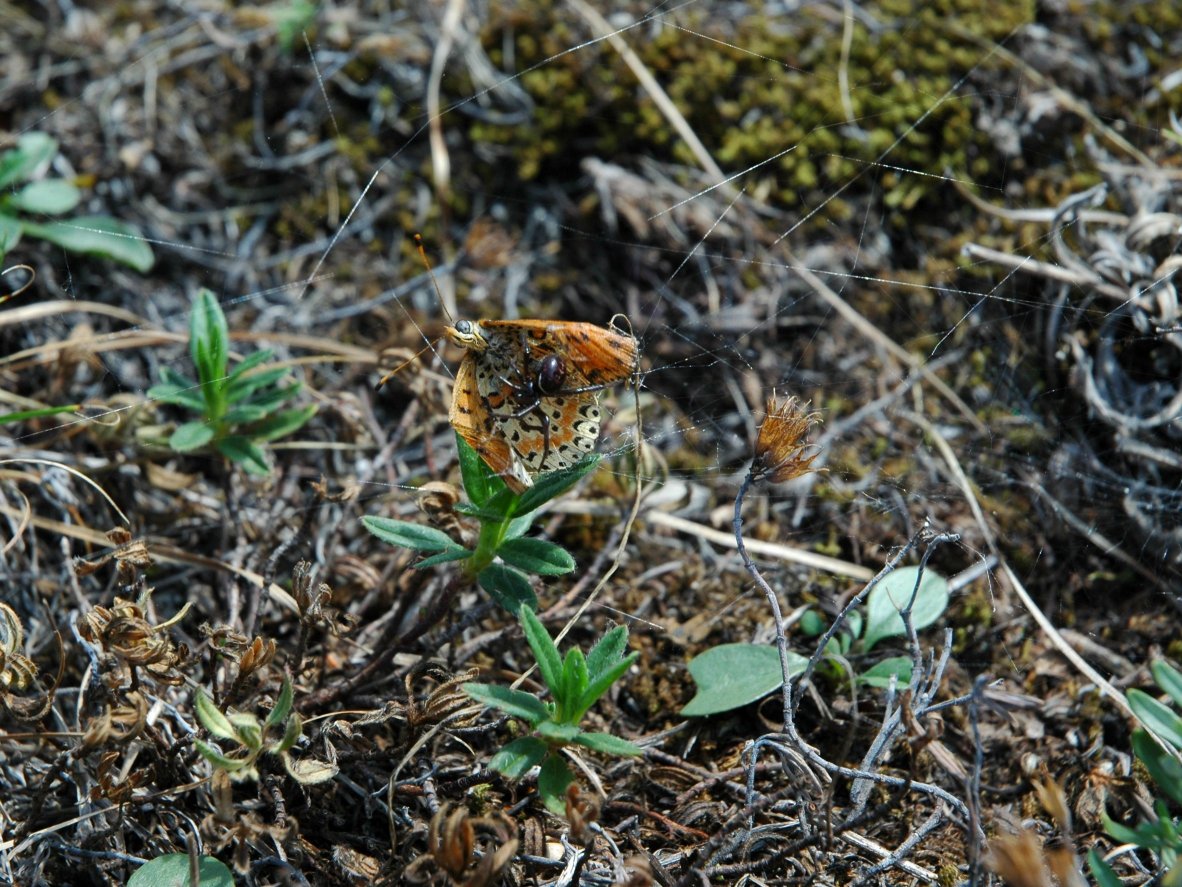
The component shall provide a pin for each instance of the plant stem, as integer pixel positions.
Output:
(773, 601)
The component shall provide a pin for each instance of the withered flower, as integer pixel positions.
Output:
(451, 843)
(117, 724)
(124, 631)
(130, 556)
(582, 811)
(782, 441)
(438, 501)
(16, 670)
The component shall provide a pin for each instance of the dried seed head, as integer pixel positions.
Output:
(782, 440)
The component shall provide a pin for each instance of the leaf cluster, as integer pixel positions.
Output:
(575, 682)
(732, 675)
(24, 190)
(1161, 835)
(255, 738)
(502, 556)
(240, 408)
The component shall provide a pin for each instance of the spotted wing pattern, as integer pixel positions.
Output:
(508, 411)
(471, 419)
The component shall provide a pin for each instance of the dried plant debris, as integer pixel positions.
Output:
(1114, 337)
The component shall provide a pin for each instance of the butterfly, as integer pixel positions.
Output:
(526, 395)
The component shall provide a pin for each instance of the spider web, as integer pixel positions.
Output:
(810, 268)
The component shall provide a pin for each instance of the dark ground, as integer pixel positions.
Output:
(287, 169)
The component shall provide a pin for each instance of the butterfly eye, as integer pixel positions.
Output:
(551, 373)
(464, 327)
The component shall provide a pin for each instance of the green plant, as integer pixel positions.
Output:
(23, 189)
(1161, 835)
(732, 675)
(575, 684)
(175, 870)
(239, 408)
(254, 739)
(502, 556)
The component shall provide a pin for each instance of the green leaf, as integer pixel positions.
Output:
(892, 594)
(10, 234)
(731, 675)
(1169, 679)
(545, 652)
(516, 758)
(291, 733)
(480, 513)
(514, 702)
(553, 780)
(812, 624)
(270, 399)
(456, 554)
(574, 682)
(24, 415)
(282, 705)
(211, 718)
(209, 340)
(558, 734)
(536, 556)
(1164, 769)
(245, 452)
(188, 397)
(1102, 872)
(1122, 833)
(248, 730)
(517, 527)
(170, 376)
(242, 415)
(508, 587)
(238, 373)
(97, 236)
(404, 534)
(479, 481)
(601, 683)
(283, 423)
(49, 196)
(607, 651)
(190, 436)
(220, 759)
(22, 162)
(608, 744)
(554, 483)
(1156, 716)
(852, 628)
(172, 870)
(880, 674)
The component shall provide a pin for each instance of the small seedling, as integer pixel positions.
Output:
(240, 409)
(502, 556)
(575, 684)
(1162, 835)
(732, 675)
(254, 739)
(24, 191)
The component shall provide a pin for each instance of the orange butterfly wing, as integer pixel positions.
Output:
(517, 437)
(470, 417)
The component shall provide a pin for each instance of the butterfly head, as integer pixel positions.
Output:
(467, 334)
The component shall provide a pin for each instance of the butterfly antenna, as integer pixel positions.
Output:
(431, 273)
(442, 304)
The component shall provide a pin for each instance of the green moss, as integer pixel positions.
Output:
(754, 89)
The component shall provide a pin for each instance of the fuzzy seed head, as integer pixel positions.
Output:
(780, 446)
